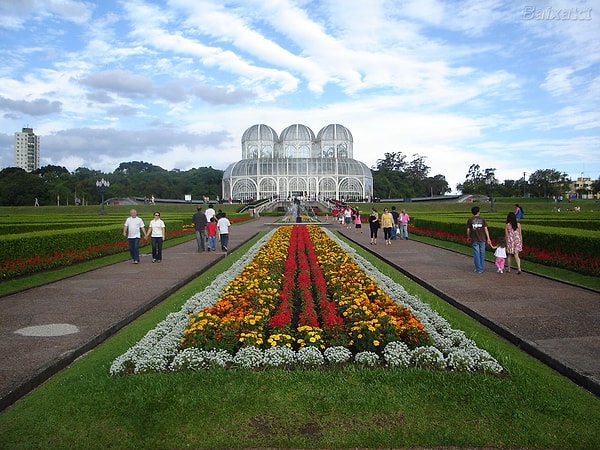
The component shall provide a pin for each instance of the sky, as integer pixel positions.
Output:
(510, 85)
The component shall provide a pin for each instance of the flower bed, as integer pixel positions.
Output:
(302, 297)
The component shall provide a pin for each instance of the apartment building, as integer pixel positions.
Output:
(27, 150)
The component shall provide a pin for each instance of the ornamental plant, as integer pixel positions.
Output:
(303, 290)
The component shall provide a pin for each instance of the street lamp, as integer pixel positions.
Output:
(490, 181)
(524, 184)
(102, 186)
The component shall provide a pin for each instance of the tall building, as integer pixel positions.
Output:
(27, 150)
(297, 164)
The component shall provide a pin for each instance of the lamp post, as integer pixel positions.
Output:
(524, 184)
(102, 186)
(490, 181)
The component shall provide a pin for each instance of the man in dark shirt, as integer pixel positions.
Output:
(478, 235)
(199, 221)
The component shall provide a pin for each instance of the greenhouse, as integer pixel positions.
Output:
(297, 164)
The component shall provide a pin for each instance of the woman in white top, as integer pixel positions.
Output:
(156, 230)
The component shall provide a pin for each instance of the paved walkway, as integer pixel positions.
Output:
(43, 330)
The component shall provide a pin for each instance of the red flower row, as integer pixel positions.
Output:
(579, 263)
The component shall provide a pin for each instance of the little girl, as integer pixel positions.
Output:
(500, 254)
(358, 222)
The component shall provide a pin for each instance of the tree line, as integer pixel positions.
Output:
(394, 176)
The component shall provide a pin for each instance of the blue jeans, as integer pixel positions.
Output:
(157, 243)
(403, 231)
(212, 241)
(134, 248)
(224, 241)
(478, 255)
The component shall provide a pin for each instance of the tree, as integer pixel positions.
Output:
(20, 188)
(595, 186)
(436, 185)
(475, 181)
(395, 177)
(392, 161)
(546, 183)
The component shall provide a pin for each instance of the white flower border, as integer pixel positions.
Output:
(158, 350)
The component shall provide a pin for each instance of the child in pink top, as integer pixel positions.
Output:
(358, 222)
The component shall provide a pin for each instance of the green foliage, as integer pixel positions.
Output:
(397, 178)
(54, 185)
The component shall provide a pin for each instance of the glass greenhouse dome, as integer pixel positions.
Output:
(297, 165)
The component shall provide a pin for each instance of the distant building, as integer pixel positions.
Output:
(582, 187)
(27, 150)
(297, 164)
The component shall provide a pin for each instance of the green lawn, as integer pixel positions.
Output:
(84, 408)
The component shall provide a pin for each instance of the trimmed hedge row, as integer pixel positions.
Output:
(22, 228)
(575, 250)
(27, 253)
(567, 240)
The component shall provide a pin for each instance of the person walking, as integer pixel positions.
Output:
(223, 224)
(478, 235)
(157, 233)
(514, 240)
(199, 220)
(500, 254)
(210, 212)
(387, 223)
(211, 232)
(358, 221)
(348, 217)
(131, 230)
(374, 225)
(403, 219)
(395, 215)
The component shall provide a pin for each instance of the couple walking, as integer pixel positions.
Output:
(478, 236)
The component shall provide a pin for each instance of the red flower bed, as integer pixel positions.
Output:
(573, 261)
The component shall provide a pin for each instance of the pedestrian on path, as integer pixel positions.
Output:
(395, 215)
(500, 254)
(131, 230)
(223, 224)
(478, 235)
(387, 223)
(358, 221)
(200, 221)
(374, 225)
(514, 240)
(211, 232)
(157, 233)
(403, 219)
(210, 212)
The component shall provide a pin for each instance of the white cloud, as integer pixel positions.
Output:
(177, 82)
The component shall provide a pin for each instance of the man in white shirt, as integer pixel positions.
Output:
(223, 226)
(131, 230)
(209, 213)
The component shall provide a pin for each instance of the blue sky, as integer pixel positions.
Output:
(509, 85)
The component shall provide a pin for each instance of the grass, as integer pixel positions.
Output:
(83, 407)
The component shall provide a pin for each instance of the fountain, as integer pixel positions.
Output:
(299, 213)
